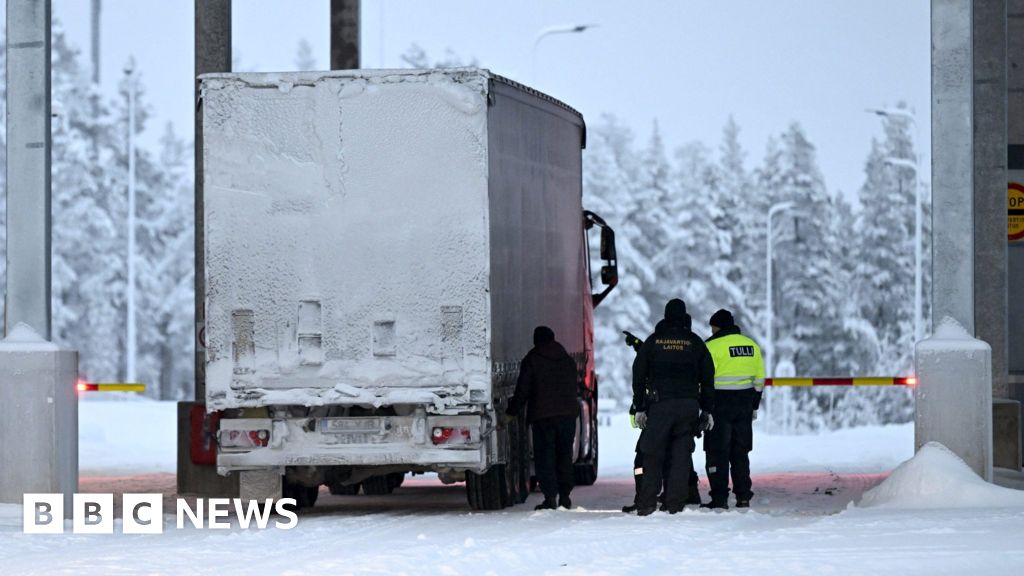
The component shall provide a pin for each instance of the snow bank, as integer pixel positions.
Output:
(938, 478)
(127, 437)
(865, 449)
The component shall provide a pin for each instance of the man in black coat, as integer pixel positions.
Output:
(673, 390)
(547, 387)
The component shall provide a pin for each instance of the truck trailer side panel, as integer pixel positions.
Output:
(538, 266)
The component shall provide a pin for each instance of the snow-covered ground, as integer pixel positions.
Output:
(930, 517)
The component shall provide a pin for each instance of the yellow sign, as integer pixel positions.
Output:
(1015, 211)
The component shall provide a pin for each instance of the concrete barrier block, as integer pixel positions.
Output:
(38, 418)
(953, 397)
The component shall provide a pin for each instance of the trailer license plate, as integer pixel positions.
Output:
(349, 425)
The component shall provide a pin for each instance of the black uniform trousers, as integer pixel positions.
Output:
(668, 435)
(638, 464)
(552, 454)
(728, 445)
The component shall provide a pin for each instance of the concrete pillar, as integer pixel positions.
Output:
(1015, 165)
(28, 165)
(969, 174)
(989, 103)
(38, 400)
(212, 54)
(344, 34)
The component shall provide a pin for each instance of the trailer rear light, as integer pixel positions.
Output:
(243, 438)
(446, 435)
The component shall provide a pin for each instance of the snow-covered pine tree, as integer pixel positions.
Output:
(304, 59)
(88, 222)
(884, 274)
(610, 178)
(686, 267)
(739, 214)
(165, 268)
(416, 57)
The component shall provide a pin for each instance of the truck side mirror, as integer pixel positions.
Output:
(610, 275)
(607, 245)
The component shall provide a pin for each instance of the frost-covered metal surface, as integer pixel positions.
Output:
(347, 238)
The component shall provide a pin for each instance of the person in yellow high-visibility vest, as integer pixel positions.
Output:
(739, 383)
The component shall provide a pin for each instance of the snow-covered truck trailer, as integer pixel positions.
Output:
(379, 248)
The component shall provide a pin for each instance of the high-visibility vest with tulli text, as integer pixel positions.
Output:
(738, 363)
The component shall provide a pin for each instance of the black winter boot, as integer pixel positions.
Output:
(547, 504)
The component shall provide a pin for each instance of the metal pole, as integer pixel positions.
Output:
(28, 165)
(769, 344)
(96, 8)
(130, 360)
(344, 34)
(212, 54)
(769, 347)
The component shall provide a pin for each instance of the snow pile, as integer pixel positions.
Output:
(938, 478)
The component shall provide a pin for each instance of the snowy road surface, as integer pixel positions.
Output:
(800, 522)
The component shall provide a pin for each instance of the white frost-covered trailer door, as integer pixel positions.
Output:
(346, 238)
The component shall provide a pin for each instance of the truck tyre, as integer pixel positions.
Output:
(343, 489)
(378, 485)
(520, 450)
(585, 473)
(395, 479)
(305, 496)
(488, 491)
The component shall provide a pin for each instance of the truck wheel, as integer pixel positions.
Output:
(378, 485)
(305, 496)
(585, 473)
(395, 479)
(520, 450)
(343, 489)
(488, 491)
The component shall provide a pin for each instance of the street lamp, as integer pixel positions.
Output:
(545, 32)
(129, 72)
(769, 348)
(913, 165)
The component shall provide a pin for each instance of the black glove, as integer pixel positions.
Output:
(707, 422)
(632, 341)
(641, 420)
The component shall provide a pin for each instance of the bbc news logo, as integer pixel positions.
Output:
(144, 513)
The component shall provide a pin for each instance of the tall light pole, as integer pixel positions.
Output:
(545, 32)
(129, 72)
(769, 300)
(913, 165)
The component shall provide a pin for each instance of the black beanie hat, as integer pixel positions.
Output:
(675, 310)
(543, 334)
(723, 319)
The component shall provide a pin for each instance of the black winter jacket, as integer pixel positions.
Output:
(547, 384)
(675, 363)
